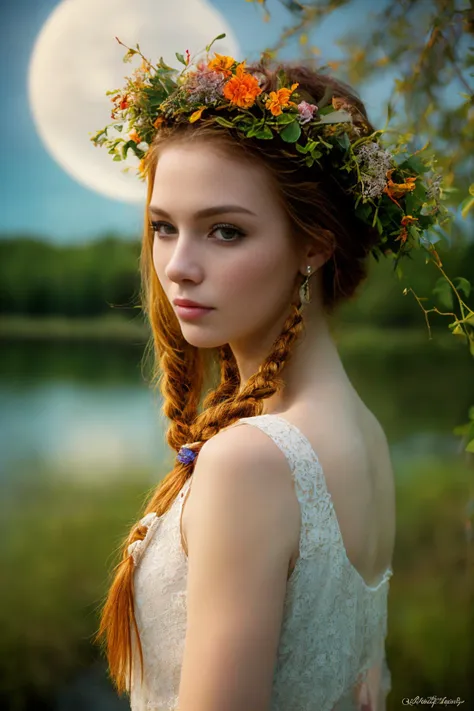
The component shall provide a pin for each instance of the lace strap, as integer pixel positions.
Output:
(319, 524)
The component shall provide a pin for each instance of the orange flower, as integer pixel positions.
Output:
(157, 123)
(279, 99)
(133, 135)
(398, 190)
(242, 89)
(221, 64)
(406, 220)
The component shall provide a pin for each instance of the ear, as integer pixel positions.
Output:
(318, 253)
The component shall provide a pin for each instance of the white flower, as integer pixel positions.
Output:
(374, 162)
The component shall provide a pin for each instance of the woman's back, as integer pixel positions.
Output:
(354, 455)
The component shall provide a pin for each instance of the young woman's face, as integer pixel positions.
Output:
(222, 240)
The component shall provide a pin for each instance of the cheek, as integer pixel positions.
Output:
(258, 275)
(157, 256)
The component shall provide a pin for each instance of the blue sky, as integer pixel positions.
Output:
(38, 196)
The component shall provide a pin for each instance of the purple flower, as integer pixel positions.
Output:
(306, 111)
(186, 455)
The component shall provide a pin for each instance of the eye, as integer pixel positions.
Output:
(226, 229)
(158, 226)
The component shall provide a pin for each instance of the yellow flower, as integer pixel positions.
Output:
(196, 115)
(279, 99)
(242, 89)
(221, 64)
(408, 219)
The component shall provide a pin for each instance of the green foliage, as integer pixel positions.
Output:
(76, 280)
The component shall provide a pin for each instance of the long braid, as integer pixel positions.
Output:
(229, 379)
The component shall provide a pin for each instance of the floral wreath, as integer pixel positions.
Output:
(395, 191)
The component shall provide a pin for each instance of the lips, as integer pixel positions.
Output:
(190, 304)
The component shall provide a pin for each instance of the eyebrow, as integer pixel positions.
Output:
(206, 212)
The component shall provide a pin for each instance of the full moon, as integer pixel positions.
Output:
(76, 59)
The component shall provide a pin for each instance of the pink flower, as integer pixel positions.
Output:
(306, 111)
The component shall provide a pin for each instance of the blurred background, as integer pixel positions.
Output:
(81, 433)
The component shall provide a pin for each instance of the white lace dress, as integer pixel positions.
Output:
(331, 653)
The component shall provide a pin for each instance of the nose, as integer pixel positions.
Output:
(184, 262)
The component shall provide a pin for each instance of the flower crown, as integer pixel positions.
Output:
(389, 188)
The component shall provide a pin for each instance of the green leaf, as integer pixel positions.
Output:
(285, 118)
(282, 79)
(291, 132)
(340, 116)
(344, 141)
(470, 446)
(265, 132)
(215, 40)
(463, 285)
(416, 164)
(116, 157)
(181, 58)
(364, 211)
(128, 56)
(224, 122)
(444, 293)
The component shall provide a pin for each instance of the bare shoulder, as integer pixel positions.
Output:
(241, 461)
(242, 466)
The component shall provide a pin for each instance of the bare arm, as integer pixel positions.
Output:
(239, 549)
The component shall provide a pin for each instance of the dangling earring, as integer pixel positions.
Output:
(305, 295)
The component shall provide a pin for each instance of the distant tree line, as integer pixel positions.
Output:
(38, 278)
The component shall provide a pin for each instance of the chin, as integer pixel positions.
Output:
(198, 337)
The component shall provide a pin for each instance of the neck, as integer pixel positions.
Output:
(314, 361)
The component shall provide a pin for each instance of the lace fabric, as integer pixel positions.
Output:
(331, 653)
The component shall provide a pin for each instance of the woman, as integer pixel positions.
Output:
(258, 578)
